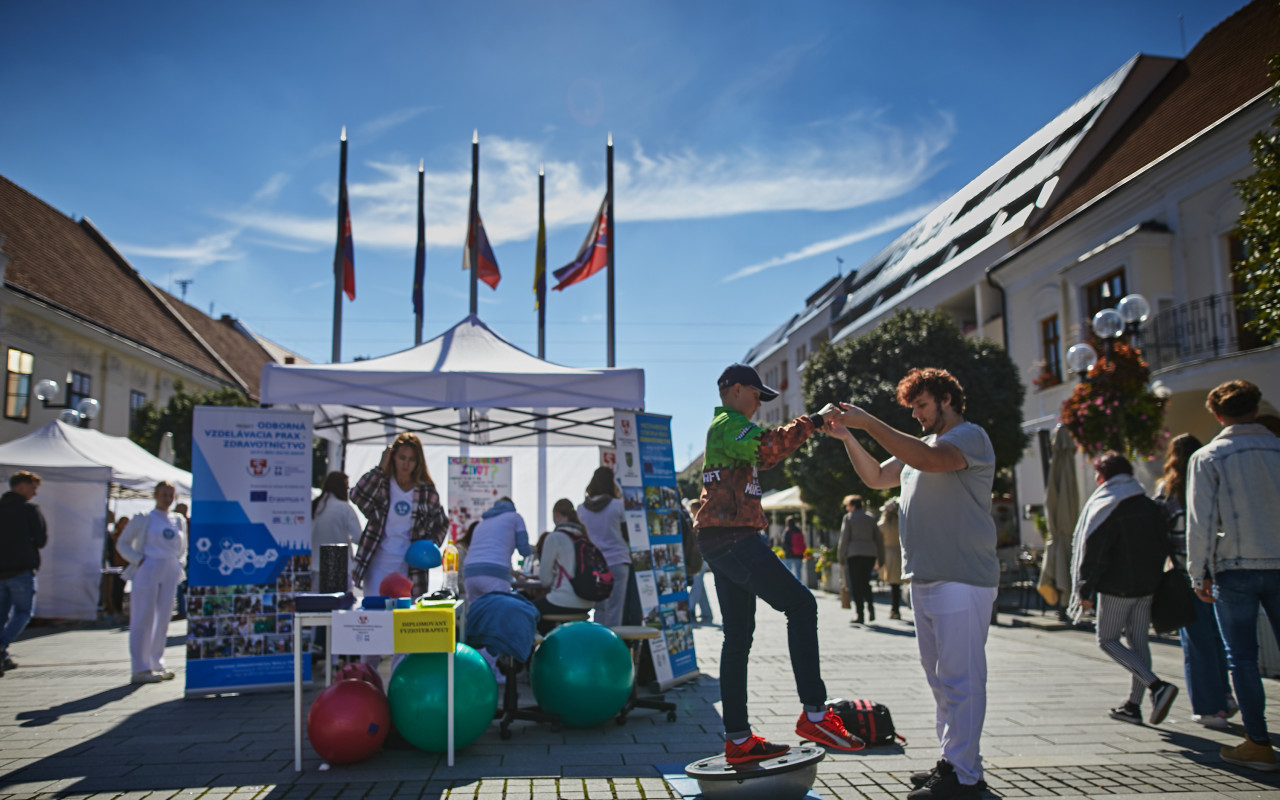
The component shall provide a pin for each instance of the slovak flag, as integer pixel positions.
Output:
(488, 266)
(593, 255)
(344, 257)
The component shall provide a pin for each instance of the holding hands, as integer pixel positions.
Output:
(839, 417)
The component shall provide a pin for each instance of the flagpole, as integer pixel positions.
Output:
(338, 270)
(542, 259)
(420, 263)
(473, 240)
(613, 232)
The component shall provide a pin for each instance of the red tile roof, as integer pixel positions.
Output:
(240, 353)
(69, 265)
(1226, 69)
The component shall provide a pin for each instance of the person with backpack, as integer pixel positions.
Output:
(558, 563)
(602, 515)
(793, 547)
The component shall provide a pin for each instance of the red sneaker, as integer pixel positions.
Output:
(752, 750)
(830, 731)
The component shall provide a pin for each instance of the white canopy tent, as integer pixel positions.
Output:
(467, 392)
(783, 502)
(78, 468)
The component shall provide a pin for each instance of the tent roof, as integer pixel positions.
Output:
(65, 450)
(466, 385)
(783, 500)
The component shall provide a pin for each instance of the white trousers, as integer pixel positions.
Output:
(155, 587)
(951, 630)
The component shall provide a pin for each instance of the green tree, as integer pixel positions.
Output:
(865, 370)
(1259, 272)
(152, 422)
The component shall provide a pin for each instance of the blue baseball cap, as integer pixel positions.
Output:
(747, 376)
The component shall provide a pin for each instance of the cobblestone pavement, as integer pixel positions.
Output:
(72, 726)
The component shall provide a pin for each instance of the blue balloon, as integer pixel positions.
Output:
(423, 554)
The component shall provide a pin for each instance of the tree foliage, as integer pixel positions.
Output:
(865, 370)
(152, 422)
(1259, 272)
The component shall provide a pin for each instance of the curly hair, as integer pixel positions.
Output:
(937, 382)
(1236, 399)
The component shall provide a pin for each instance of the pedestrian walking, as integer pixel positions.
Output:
(1233, 553)
(22, 534)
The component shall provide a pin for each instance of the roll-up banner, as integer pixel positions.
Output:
(474, 485)
(646, 472)
(250, 547)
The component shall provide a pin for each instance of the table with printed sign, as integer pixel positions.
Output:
(366, 632)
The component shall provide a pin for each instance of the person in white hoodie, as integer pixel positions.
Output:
(556, 564)
(155, 545)
(602, 515)
(500, 533)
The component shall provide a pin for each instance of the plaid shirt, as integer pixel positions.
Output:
(372, 495)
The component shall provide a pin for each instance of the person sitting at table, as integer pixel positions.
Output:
(557, 562)
(500, 532)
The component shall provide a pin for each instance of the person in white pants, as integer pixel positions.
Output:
(155, 545)
(949, 555)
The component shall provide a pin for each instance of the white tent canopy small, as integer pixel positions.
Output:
(76, 467)
(467, 392)
(466, 386)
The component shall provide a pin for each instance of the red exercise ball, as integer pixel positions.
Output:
(348, 722)
(360, 671)
(395, 585)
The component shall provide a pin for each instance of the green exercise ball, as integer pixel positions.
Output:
(418, 698)
(583, 672)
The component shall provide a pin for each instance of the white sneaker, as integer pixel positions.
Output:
(165, 674)
(145, 676)
(1216, 721)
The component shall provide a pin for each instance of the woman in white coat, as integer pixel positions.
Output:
(155, 545)
(333, 521)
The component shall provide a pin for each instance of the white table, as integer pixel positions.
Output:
(324, 619)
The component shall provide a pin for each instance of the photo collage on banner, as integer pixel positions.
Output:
(249, 546)
(474, 485)
(646, 472)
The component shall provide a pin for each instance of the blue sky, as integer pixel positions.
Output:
(755, 142)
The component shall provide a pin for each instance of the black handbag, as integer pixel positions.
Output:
(1174, 603)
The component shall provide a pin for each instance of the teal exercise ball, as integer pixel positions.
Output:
(583, 672)
(418, 698)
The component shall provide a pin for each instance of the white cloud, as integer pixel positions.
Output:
(271, 189)
(841, 164)
(899, 220)
(203, 252)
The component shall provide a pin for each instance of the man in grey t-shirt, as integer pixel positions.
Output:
(949, 555)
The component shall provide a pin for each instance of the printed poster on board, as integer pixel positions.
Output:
(249, 546)
(646, 471)
(474, 485)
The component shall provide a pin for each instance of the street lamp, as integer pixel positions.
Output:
(1110, 324)
(1081, 358)
(84, 411)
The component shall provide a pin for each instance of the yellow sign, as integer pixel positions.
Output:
(423, 630)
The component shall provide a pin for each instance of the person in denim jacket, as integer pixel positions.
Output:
(1233, 550)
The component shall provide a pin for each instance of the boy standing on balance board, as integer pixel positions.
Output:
(729, 524)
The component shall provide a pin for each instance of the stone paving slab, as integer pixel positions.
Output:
(71, 726)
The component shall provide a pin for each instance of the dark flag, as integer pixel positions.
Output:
(420, 260)
(593, 256)
(344, 257)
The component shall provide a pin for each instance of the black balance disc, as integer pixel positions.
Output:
(787, 777)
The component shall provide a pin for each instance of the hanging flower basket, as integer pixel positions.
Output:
(1114, 410)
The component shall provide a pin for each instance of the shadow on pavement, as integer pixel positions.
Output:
(35, 719)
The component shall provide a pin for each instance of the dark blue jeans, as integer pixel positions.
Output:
(1240, 592)
(746, 569)
(17, 602)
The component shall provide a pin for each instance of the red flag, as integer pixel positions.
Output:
(593, 256)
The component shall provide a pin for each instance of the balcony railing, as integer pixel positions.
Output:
(1205, 328)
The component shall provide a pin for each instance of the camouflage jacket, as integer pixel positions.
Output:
(736, 449)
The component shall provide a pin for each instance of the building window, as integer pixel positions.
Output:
(17, 389)
(800, 355)
(1050, 342)
(1104, 293)
(136, 401)
(79, 387)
